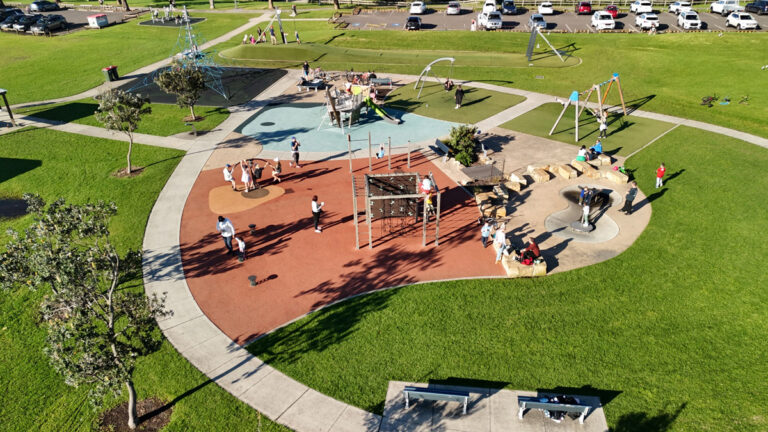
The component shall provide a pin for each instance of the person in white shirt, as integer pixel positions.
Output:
(227, 231)
(317, 208)
(228, 176)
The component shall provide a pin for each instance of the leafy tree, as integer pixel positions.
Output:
(96, 330)
(463, 144)
(270, 4)
(122, 111)
(184, 80)
(336, 5)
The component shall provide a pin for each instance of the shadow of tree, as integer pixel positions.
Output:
(642, 422)
(12, 167)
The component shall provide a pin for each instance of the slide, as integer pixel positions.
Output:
(381, 112)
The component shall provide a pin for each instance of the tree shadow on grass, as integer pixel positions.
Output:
(642, 422)
(68, 113)
(12, 167)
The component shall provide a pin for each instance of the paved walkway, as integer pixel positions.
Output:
(189, 329)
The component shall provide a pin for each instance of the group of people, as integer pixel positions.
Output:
(592, 153)
(261, 36)
(525, 256)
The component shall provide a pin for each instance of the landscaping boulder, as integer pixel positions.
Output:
(616, 177)
(586, 169)
(518, 179)
(538, 174)
(603, 160)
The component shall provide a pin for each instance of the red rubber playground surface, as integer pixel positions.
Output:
(299, 270)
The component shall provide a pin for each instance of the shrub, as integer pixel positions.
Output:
(463, 144)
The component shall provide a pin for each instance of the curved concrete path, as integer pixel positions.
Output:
(192, 333)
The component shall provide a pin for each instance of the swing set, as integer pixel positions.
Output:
(427, 70)
(573, 99)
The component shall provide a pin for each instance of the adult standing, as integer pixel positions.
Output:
(245, 175)
(295, 152)
(631, 194)
(485, 232)
(228, 176)
(272, 37)
(317, 208)
(459, 96)
(500, 241)
(227, 230)
(305, 67)
(660, 171)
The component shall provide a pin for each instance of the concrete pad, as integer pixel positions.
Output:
(274, 394)
(191, 333)
(214, 352)
(356, 420)
(313, 412)
(239, 374)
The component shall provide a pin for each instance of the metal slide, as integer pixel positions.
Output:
(381, 112)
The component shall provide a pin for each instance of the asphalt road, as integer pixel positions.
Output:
(561, 21)
(78, 19)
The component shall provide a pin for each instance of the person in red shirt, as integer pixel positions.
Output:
(660, 171)
(530, 253)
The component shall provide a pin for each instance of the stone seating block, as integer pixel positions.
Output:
(513, 186)
(603, 160)
(565, 172)
(539, 175)
(586, 169)
(518, 179)
(495, 211)
(616, 177)
(515, 269)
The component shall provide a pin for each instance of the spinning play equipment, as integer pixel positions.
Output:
(344, 108)
(427, 70)
(600, 114)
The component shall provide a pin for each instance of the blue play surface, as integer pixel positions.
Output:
(274, 126)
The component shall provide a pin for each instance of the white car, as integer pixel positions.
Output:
(454, 8)
(641, 7)
(689, 20)
(538, 21)
(724, 7)
(647, 21)
(417, 8)
(489, 21)
(546, 9)
(489, 6)
(742, 21)
(602, 20)
(679, 6)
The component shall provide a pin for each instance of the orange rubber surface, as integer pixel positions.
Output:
(299, 270)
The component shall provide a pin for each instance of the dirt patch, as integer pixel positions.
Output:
(153, 415)
(12, 208)
(122, 172)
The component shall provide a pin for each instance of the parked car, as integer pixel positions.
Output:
(647, 21)
(418, 8)
(454, 8)
(43, 6)
(489, 21)
(49, 23)
(413, 23)
(724, 7)
(508, 7)
(613, 10)
(26, 22)
(742, 21)
(537, 20)
(546, 8)
(641, 7)
(679, 6)
(602, 20)
(489, 6)
(759, 7)
(583, 8)
(8, 23)
(5, 13)
(689, 20)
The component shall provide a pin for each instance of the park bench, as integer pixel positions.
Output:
(525, 403)
(436, 395)
(382, 81)
(308, 85)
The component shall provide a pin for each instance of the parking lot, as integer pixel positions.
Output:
(567, 22)
(78, 19)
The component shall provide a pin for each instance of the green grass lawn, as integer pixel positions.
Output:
(625, 133)
(34, 397)
(670, 333)
(35, 69)
(667, 73)
(437, 103)
(165, 120)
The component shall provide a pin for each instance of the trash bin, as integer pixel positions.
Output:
(107, 71)
(113, 71)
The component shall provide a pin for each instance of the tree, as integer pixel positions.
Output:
(186, 81)
(270, 4)
(463, 144)
(124, 3)
(122, 111)
(96, 327)
(336, 5)
(211, 4)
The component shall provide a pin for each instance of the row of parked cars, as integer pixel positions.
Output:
(490, 18)
(15, 20)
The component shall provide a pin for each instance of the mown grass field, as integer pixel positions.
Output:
(165, 120)
(34, 397)
(667, 73)
(670, 333)
(35, 69)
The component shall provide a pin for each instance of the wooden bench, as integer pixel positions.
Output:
(436, 395)
(525, 403)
